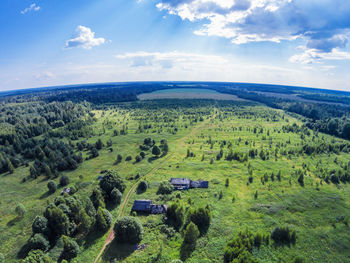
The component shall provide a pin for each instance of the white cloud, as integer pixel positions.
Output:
(324, 25)
(33, 7)
(172, 59)
(310, 56)
(84, 38)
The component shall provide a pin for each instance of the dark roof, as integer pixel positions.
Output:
(181, 181)
(142, 205)
(200, 184)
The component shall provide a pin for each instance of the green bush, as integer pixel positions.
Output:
(128, 230)
(51, 185)
(165, 188)
(39, 225)
(64, 180)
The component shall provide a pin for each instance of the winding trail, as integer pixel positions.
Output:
(179, 144)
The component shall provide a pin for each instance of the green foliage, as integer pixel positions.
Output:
(201, 217)
(165, 188)
(37, 256)
(64, 180)
(128, 230)
(103, 219)
(283, 235)
(175, 215)
(51, 185)
(58, 221)
(40, 225)
(155, 150)
(2, 258)
(70, 249)
(142, 187)
(116, 196)
(38, 241)
(110, 181)
(97, 198)
(20, 210)
(191, 234)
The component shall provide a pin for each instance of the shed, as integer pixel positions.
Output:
(142, 206)
(180, 183)
(199, 184)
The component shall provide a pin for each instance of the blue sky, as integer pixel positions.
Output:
(58, 42)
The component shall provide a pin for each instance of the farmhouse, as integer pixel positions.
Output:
(146, 206)
(185, 183)
(180, 183)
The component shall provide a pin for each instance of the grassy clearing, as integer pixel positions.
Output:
(314, 210)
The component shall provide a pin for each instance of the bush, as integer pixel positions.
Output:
(64, 180)
(128, 230)
(155, 150)
(165, 188)
(175, 215)
(142, 187)
(110, 181)
(20, 210)
(36, 256)
(201, 217)
(116, 196)
(191, 234)
(138, 158)
(283, 235)
(2, 258)
(70, 248)
(39, 225)
(103, 219)
(51, 185)
(38, 241)
(128, 158)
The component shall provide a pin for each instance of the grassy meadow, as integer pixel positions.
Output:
(318, 211)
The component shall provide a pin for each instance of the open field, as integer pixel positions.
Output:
(188, 93)
(316, 210)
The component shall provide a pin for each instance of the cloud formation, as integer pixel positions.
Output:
(323, 24)
(84, 38)
(33, 7)
(167, 60)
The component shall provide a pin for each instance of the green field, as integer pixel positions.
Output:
(318, 211)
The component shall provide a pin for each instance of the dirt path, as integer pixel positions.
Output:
(179, 144)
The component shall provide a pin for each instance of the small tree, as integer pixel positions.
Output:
(103, 219)
(116, 196)
(227, 182)
(70, 248)
(51, 185)
(165, 188)
(142, 187)
(156, 150)
(128, 230)
(64, 180)
(20, 210)
(39, 225)
(191, 234)
(10, 167)
(38, 241)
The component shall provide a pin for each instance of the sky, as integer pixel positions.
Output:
(62, 42)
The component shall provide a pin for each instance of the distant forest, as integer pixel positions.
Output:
(329, 113)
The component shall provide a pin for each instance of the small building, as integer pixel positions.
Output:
(146, 206)
(180, 183)
(66, 190)
(142, 206)
(199, 184)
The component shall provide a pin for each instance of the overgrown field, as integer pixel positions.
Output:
(265, 170)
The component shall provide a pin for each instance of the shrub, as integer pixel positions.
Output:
(70, 248)
(128, 230)
(38, 241)
(110, 181)
(64, 180)
(2, 258)
(51, 185)
(20, 210)
(201, 217)
(103, 219)
(165, 188)
(39, 225)
(128, 158)
(175, 215)
(142, 187)
(155, 150)
(116, 196)
(283, 235)
(138, 158)
(191, 234)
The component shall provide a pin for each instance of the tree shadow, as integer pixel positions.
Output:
(118, 251)
(90, 239)
(45, 195)
(186, 250)
(151, 159)
(12, 222)
(23, 252)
